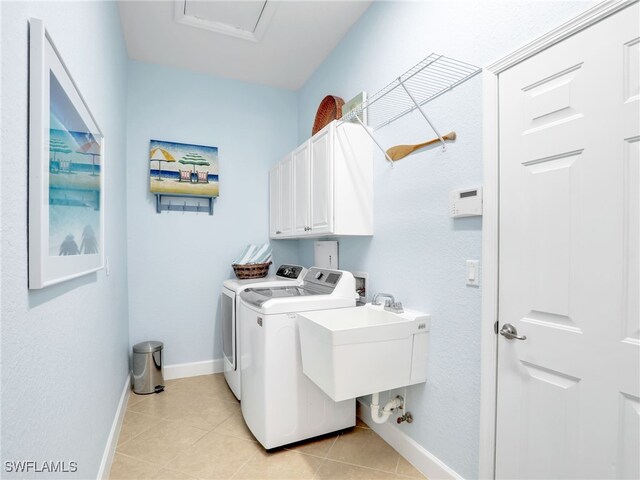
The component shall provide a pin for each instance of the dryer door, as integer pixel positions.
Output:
(228, 307)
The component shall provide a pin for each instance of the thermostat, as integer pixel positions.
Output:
(465, 203)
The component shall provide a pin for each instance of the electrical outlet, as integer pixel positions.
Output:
(473, 272)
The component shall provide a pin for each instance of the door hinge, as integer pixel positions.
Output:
(495, 327)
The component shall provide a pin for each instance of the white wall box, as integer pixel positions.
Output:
(325, 186)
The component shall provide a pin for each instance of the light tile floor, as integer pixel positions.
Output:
(194, 429)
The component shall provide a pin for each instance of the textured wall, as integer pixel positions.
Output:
(64, 348)
(178, 261)
(417, 251)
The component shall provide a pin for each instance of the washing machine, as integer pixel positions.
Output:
(230, 300)
(280, 405)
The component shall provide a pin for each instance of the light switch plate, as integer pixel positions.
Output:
(473, 272)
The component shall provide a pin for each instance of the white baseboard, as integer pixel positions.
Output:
(182, 370)
(432, 467)
(112, 441)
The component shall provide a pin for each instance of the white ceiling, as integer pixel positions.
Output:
(292, 38)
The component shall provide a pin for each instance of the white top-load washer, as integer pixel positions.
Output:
(230, 301)
(280, 404)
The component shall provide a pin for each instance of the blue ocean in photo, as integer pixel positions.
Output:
(74, 180)
(170, 174)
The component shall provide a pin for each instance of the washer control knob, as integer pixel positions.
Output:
(319, 275)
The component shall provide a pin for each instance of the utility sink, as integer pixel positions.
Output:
(355, 351)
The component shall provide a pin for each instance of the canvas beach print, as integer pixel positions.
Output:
(183, 169)
(66, 171)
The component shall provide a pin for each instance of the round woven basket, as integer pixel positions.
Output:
(254, 270)
(330, 109)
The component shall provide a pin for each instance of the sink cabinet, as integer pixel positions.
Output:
(325, 186)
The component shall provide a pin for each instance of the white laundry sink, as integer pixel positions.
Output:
(355, 351)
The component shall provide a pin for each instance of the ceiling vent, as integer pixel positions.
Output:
(246, 19)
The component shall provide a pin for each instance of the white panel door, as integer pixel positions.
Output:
(322, 180)
(301, 190)
(568, 401)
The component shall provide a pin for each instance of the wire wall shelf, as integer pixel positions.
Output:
(426, 81)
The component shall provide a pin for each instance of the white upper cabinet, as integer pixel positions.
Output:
(301, 189)
(322, 155)
(280, 198)
(274, 201)
(330, 186)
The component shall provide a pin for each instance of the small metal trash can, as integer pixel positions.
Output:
(147, 368)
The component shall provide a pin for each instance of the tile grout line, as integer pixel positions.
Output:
(335, 440)
(136, 436)
(245, 463)
(254, 440)
(324, 459)
(397, 464)
(315, 474)
(362, 466)
(137, 459)
(177, 452)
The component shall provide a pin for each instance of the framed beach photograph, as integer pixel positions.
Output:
(183, 169)
(66, 171)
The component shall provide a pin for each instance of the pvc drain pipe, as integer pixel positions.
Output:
(381, 416)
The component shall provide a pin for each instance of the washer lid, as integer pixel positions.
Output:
(147, 347)
(257, 296)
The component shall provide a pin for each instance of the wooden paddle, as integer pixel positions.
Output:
(400, 151)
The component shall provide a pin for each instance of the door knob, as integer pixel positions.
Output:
(510, 332)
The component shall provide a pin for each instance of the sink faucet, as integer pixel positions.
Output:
(390, 304)
(375, 300)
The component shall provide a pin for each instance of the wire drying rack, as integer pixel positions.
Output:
(426, 81)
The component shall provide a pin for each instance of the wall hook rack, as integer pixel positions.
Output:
(426, 81)
(171, 207)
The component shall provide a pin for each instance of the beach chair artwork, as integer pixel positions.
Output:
(183, 169)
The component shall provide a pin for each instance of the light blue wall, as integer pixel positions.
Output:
(417, 251)
(64, 348)
(178, 261)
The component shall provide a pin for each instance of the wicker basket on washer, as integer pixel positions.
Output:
(251, 270)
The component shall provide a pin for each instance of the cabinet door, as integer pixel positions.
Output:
(301, 190)
(274, 201)
(286, 196)
(322, 180)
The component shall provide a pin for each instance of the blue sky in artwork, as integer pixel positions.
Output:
(179, 150)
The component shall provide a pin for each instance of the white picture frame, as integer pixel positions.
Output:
(66, 171)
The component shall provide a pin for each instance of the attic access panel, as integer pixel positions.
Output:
(241, 19)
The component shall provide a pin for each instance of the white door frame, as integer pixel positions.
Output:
(490, 222)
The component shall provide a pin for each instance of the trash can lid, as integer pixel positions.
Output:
(147, 347)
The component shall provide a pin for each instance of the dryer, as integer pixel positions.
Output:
(230, 300)
(280, 404)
